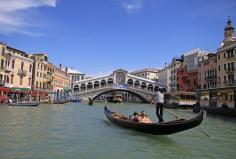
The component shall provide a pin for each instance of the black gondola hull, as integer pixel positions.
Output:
(165, 128)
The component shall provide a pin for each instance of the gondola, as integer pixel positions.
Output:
(163, 128)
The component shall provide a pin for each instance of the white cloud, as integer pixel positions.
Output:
(15, 15)
(132, 6)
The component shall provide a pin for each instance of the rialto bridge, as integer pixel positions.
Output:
(119, 81)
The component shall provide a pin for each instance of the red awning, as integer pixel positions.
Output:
(4, 89)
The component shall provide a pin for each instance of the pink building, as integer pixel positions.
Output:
(207, 79)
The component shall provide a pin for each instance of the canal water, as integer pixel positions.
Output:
(75, 131)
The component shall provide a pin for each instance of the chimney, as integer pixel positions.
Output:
(66, 70)
(60, 66)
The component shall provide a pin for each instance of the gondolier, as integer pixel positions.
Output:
(159, 100)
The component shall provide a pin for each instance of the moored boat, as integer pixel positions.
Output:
(28, 103)
(163, 128)
(229, 112)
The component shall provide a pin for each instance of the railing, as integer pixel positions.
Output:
(230, 71)
(211, 78)
(22, 72)
(8, 68)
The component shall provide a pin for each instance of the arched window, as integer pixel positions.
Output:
(110, 81)
(103, 83)
(96, 84)
(130, 82)
(30, 68)
(150, 87)
(137, 84)
(143, 85)
(83, 87)
(76, 88)
(13, 63)
(89, 86)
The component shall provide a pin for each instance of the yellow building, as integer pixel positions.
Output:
(61, 79)
(43, 75)
(226, 68)
(18, 68)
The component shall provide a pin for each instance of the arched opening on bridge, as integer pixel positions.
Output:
(76, 88)
(150, 87)
(110, 81)
(143, 85)
(89, 86)
(125, 95)
(83, 87)
(103, 83)
(130, 82)
(96, 85)
(136, 84)
(156, 88)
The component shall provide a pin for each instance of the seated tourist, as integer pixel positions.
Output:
(144, 118)
(136, 116)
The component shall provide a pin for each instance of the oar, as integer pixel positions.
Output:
(176, 116)
(170, 112)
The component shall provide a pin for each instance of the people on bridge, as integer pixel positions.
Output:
(159, 101)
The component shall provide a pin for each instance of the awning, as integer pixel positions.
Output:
(4, 89)
(17, 89)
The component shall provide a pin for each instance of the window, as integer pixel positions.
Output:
(13, 63)
(2, 63)
(12, 76)
(232, 66)
(37, 74)
(38, 65)
(3, 50)
(225, 67)
(219, 57)
(22, 65)
(224, 79)
(30, 68)
(21, 80)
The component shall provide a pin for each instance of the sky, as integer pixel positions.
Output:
(97, 37)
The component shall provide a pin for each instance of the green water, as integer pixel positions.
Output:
(82, 131)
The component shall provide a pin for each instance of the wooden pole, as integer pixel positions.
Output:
(179, 117)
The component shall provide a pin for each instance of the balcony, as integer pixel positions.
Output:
(230, 71)
(8, 69)
(211, 78)
(230, 83)
(49, 80)
(22, 72)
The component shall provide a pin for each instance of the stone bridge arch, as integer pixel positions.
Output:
(140, 96)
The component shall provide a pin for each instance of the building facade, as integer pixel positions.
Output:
(61, 79)
(43, 75)
(207, 79)
(149, 73)
(74, 76)
(164, 77)
(174, 66)
(18, 68)
(226, 68)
